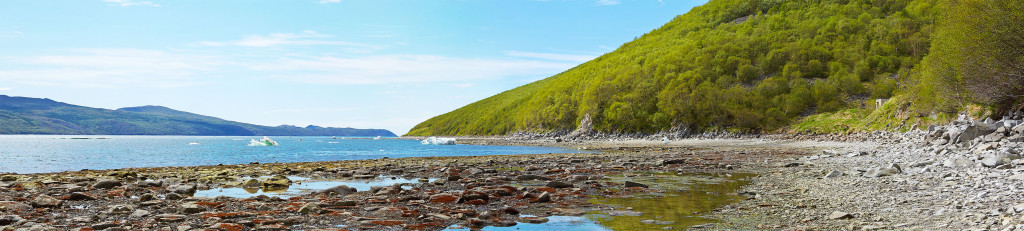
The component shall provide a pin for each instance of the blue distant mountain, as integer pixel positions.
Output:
(23, 115)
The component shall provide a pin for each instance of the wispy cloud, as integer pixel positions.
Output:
(551, 56)
(5, 89)
(328, 1)
(307, 37)
(607, 2)
(311, 110)
(403, 69)
(107, 68)
(126, 3)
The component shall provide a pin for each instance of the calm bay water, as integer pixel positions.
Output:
(44, 153)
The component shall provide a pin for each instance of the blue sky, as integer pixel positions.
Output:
(364, 64)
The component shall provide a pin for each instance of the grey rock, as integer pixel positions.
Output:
(44, 201)
(120, 209)
(10, 219)
(174, 196)
(834, 174)
(139, 214)
(279, 181)
(185, 189)
(892, 169)
(252, 183)
(80, 196)
(531, 177)
(544, 197)
(957, 162)
(310, 208)
(340, 190)
(839, 215)
(105, 184)
(192, 208)
(991, 161)
(558, 184)
(974, 131)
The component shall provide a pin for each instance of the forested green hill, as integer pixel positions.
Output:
(742, 65)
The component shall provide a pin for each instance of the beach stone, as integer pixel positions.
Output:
(531, 177)
(473, 195)
(105, 184)
(10, 219)
(957, 162)
(44, 201)
(169, 218)
(544, 197)
(533, 220)
(340, 190)
(975, 130)
(443, 198)
(139, 213)
(12, 206)
(671, 162)
(836, 215)
(185, 189)
(630, 184)
(277, 181)
(81, 196)
(558, 184)
(992, 161)
(173, 196)
(834, 174)
(892, 169)
(192, 208)
(9, 178)
(120, 209)
(105, 225)
(310, 208)
(158, 183)
(227, 227)
(252, 183)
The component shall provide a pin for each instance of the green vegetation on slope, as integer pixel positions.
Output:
(744, 65)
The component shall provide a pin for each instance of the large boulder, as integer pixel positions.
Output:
(106, 184)
(975, 130)
(278, 181)
(340, 190)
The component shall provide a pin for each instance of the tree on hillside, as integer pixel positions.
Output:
(978, 53)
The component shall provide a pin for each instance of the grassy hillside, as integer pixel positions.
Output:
(740, 65)
(20, 115)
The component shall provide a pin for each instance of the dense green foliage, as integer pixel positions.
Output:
(977, 58)
(19, 115)
(744, 65)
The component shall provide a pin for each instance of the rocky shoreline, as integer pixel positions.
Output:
(941, 179)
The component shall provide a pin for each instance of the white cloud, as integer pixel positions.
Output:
(403, 69)
(5, 89)
(126, 3)
(107, 68)
(551, 56)
(328, 1)
(607, 2)
(307, 37)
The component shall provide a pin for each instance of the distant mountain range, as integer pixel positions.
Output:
(23, 115)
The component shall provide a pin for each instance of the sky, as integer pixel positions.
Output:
(334, 63)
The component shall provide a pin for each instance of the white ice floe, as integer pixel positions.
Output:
(263, 142)
(438, 141)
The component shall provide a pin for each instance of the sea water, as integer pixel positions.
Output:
(56, 153)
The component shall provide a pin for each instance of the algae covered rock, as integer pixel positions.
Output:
(278, 181)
